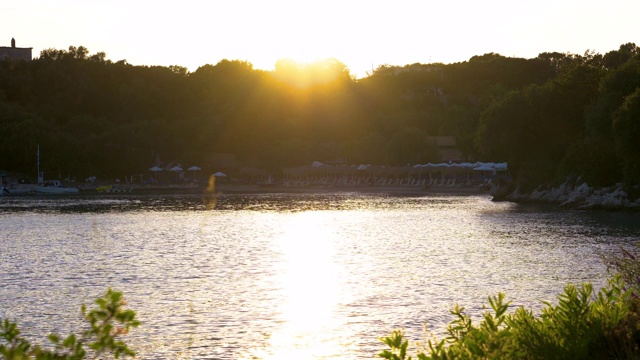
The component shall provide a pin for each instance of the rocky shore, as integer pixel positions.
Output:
(575, 195)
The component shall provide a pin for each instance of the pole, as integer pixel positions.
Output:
(40, 177)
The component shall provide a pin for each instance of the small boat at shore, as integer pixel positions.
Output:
(54, 187)
(51, 186)
(16, 191)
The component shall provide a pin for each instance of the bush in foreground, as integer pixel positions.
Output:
(108, 321)
(581, 326)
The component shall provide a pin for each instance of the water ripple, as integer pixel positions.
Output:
(270, 276)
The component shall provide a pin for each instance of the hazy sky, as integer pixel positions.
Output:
(362, 34)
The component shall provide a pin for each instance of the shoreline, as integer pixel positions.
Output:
(284, 189)
(576, 195)
(256, 189)
(125, 189)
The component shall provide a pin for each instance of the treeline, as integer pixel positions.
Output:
(552, 116)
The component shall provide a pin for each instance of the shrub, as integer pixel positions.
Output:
(108, 321)
(580, 326)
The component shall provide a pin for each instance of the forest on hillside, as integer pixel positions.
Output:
(551, 117)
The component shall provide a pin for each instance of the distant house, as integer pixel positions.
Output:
(447, 148)
(15, 53)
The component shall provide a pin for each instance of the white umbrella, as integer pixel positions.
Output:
(155, 169)
(194, 169)
(484, 167)
(221, 174)
(177, 169)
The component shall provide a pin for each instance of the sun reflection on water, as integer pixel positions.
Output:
(311, 289)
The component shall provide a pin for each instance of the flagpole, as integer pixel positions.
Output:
(39, 175)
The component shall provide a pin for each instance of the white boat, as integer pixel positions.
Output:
(55, 187)
(15, 191)
(51, 186)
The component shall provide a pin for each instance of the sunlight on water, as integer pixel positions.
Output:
(311, 284)
(279, 276)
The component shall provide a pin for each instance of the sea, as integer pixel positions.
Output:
(290, 275)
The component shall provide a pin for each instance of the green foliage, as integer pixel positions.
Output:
(108, 321)
(627, 265)
(410, 146)
(580, 326)
(93, 116)
(534, 128)
(626, 126)
(595, 160)
(398, 345)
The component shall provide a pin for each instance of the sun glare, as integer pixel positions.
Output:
(311, 286)
(303, 75)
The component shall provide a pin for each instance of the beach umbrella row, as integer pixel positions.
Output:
(178, 169)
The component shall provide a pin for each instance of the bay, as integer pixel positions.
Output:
(275, 276)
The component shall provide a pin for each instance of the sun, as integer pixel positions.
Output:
(306, 74)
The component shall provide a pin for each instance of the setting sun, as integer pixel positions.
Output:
(363, 35)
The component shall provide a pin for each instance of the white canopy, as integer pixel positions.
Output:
(484, 167)
(219, 174)
(194, 168)
(156, 168)
(176, 168)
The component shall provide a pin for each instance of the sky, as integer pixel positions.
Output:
(361, 34)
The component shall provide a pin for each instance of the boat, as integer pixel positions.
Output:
(54, 187)
(8, 189)
(51, 186)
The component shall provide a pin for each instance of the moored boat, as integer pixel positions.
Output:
(51, 186)
(55, 187)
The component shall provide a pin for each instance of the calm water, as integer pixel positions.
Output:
(289, 276)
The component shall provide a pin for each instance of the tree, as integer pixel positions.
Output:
(410, 146)
(615, 59)
(626, 126)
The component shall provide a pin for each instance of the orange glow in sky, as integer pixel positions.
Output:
(361, 34)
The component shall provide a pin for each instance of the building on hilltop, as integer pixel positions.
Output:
(15, 53)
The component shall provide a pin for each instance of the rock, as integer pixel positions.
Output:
(578, 197)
